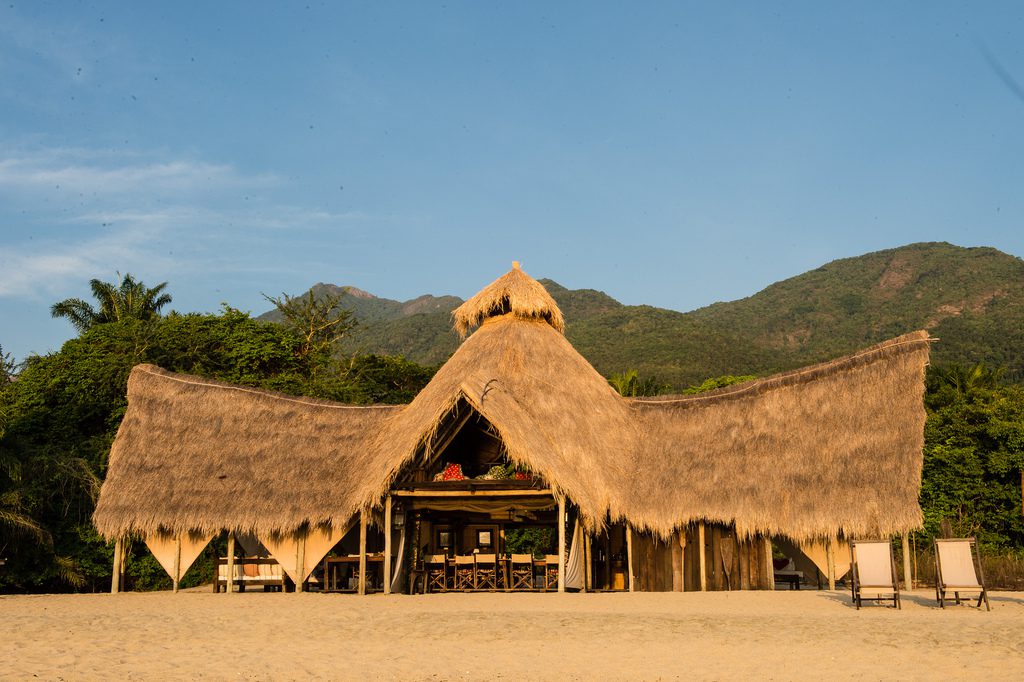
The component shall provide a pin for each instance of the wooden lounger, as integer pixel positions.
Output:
(873, 572)
(955, 562)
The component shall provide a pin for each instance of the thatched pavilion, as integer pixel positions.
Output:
(668, 493)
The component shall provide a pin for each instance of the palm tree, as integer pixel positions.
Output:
(626, 383)
(129, 300)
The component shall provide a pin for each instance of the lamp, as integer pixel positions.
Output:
(398, 519)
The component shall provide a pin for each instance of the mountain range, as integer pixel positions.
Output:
(971, 299)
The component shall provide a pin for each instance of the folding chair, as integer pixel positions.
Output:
(437, 572)
(465, 573)
(550, 572)
(873, 572)
(522, 572)
(486, 571)
(955, 563)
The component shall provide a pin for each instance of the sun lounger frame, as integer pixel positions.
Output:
(882, 592)
(942, 588)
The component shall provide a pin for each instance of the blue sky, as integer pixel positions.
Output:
(674, 154)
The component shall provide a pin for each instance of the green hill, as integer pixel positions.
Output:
(972, 299)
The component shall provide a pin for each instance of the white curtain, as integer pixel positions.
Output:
(574, 566)
(398, 577)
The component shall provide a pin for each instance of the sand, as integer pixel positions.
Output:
(739, 635)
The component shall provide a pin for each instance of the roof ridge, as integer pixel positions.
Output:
(792, 376)
(212, 383)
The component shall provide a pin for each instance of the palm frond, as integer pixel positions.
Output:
(68, 571)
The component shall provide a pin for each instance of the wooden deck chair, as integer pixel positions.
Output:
(465, 572)
(958, 569)
(550, 572)
(522, 572)
(486, 571)
(436, 566)
(873, 572)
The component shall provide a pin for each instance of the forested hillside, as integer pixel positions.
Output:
(972, 299)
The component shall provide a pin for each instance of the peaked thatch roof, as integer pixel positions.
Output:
(555, 414)
(192, 453)
(514, 293)
(836, 447)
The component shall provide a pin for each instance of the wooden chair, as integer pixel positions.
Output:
(873, 572)
(437, 572)
(958, 569)
(486, 572)
(550, 572)
(522, 572)
(465, 572)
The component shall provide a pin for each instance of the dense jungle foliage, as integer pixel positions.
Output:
(60, 412)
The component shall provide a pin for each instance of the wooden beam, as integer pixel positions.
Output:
(362, 552)
(682, 559)
(629, 557)
(523, 492)
(387, 545)
(769, 569)
(229, 584)
(702, 558)
(177, 561)
(908, 579)
(300, 560)
(115, 577)
(677, 566)
(561, 544)
(830, 552)
(442, 443)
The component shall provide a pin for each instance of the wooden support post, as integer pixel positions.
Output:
(830, 552)
(300, 561)
(682, 559)
(588, 554)
(387, 545)
(676, 562)
(177, 561)
(362, 552)
(115, 578)
(229, 582)
(561, 544)
(769, 566)
(702, 554)
(629, 557)
(908, 580)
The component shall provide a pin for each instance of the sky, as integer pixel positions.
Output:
(672, 154)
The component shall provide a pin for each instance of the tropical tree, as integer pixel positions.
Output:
(951, 382)
(719, 382)
(131, 299)
(974, 455)
(6, 366)
(630, 385)
(319, 320)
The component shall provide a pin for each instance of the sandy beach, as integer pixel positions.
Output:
(719, 635)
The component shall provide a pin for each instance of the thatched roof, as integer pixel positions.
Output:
(836, 447)
(514, 293)
(555, 414)
(192, 453)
